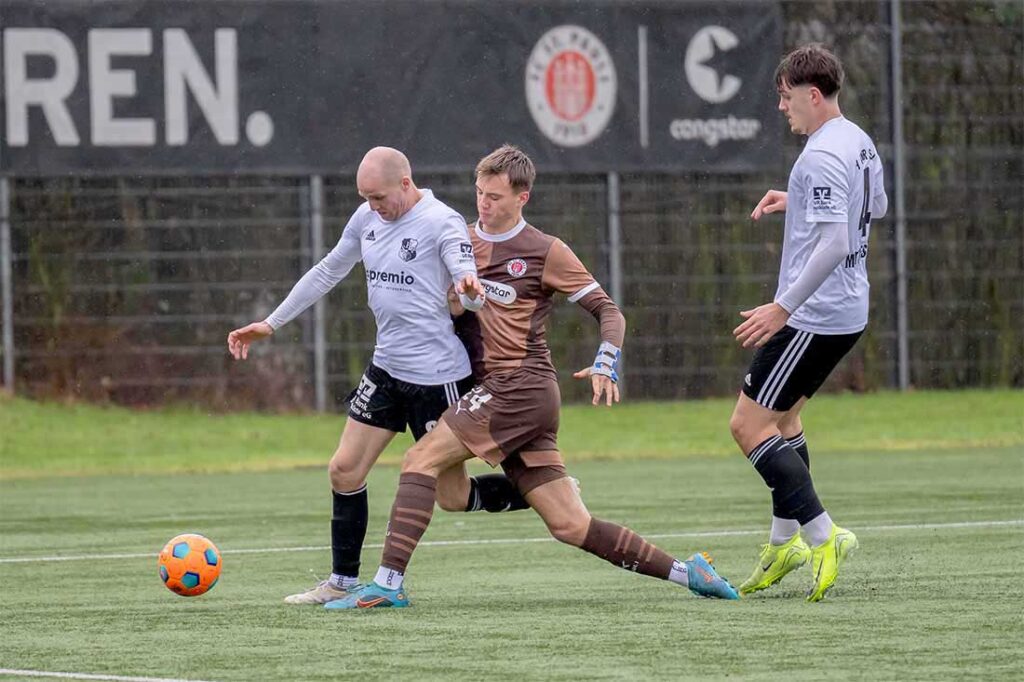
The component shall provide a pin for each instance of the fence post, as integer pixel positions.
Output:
(6, 261)
(899, 198)
(316, 246)
(615, 251)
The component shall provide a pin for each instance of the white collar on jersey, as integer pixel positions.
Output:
(504, 236)
(813, 135)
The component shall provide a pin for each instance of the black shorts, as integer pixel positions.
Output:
(794, 364)
(386, 402)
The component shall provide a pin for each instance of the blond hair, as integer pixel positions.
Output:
(511, 161)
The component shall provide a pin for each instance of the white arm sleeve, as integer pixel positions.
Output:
(832, 247)
(457, 254)
(456, 249)
(321, 278)
(879, 202)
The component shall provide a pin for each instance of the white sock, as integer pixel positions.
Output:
(818, 530)
(783, 530)
(389, 578)
(678, 574)
(342, 581)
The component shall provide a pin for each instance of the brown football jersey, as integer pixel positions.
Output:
(521, 270)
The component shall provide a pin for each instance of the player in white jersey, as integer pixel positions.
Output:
(819, 312)
(414, 250)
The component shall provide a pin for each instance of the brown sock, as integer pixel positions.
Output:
(410, 516)
(624, 548)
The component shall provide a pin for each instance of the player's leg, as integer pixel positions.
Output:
(560, 506)
(755, 430)
(456, 490)
(411, 513)
(375, 415)
(783, 375)
(357, 451)
(792, 429)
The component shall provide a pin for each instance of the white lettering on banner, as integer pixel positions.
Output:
(183, 69)
(49, 94)
(184, 76)
(106, 83)
(713, 130)
(715, 87)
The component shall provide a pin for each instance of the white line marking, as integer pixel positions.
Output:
(521, 541)
(87, 676)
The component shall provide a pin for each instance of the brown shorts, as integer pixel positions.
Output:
(511, 414)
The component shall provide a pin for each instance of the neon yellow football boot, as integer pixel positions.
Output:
(775, 563)
(826, 559)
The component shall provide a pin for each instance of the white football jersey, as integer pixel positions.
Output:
(837, 178)
(409, 263)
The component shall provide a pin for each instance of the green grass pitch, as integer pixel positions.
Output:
(935, 591)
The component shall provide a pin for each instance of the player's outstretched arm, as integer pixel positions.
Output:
(773, 201)
(240, 339)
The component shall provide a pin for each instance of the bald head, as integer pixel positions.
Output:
(387, 164)
(384, 179)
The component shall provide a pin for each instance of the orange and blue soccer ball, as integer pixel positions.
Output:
(189, 564)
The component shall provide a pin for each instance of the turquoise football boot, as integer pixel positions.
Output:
(704, 579)
(371, 596)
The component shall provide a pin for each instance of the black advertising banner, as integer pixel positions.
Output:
(294, 86)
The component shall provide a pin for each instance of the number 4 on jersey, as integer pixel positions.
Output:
(865, 211)
(476, 398)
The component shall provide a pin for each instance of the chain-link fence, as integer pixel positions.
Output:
(124, 288)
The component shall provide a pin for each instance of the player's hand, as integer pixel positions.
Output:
(240, 339)
(455, 306)
(772, 202)
(761, 324)
(469, 286)
(601, 384)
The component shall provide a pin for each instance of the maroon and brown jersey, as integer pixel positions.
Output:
(521, 270)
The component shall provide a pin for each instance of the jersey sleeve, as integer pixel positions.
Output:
(456, 249)
(827, 185)
(563, 272)
(323, 276)
(879, 201)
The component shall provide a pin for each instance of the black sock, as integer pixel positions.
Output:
(799, 443)
(494, 493)
(348, 530)
(788, 478)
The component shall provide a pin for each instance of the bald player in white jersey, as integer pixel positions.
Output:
(819, 312)
(414, 250)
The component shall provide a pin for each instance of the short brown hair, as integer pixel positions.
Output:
(513, 162)
(812, 64)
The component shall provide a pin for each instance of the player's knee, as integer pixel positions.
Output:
(421, 459)
(737, 427)
(345, 474)
(570, 530)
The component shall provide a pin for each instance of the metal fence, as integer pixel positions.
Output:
(123, 289)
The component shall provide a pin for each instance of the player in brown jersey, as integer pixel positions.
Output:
(511, 417)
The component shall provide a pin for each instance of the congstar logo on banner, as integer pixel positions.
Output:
(705, 74)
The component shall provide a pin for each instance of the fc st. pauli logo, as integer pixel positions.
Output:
(570, 85)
